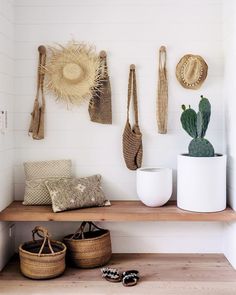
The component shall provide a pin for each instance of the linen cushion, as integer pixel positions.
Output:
(76, 193)
(45, 169)
(36, 193)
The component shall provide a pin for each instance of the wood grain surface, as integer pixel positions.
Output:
(174, 274)
(118, 211)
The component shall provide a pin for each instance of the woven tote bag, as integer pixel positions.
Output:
(162, 93)
(37, 116)
(100, 107)
(132, 136)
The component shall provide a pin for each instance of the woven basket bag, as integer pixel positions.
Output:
(89, 249)
(44, 258)
(132, 136)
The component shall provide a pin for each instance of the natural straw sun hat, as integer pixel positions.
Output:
(191, 71)
(72, 72)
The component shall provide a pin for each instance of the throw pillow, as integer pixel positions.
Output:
(36, 173)
(76, 193)
(45, 169)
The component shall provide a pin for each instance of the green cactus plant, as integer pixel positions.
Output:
(196, 124)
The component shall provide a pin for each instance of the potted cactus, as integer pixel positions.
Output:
(201, 173)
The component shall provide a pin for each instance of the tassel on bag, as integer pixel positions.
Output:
(37, 116)
(100, 109)
(162, 95)
(132, 136)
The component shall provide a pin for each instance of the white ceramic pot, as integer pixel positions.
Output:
(201, 183)
(154, 186)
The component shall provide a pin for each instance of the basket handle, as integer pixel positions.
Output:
(80, 230)
(42, 233)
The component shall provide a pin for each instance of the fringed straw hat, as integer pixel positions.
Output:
(191, 71)
(72, 72)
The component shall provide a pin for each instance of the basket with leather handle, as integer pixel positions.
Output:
(43, 258)
(89, 249)
(132, 136)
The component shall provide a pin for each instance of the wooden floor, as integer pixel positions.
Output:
(175, 274)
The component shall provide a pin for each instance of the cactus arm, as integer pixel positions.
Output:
(189, 122)
(205, 110)
(199, 125)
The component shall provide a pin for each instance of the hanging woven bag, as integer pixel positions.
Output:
(37, 116)
(100, 106)
(43, 258)
(162, 95)
(89, 249)
(132, 136)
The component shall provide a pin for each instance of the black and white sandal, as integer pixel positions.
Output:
(111, 274)
(130, 278)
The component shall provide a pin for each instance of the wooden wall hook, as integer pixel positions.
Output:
(103, 53)
(42, 49)
(132, 67)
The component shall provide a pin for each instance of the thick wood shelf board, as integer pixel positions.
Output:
(162, 274)
(119, 211)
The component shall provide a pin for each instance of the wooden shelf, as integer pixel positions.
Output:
(119, 211)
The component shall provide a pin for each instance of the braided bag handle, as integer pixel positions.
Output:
(42, 233)
(80, 231)
(162, 93)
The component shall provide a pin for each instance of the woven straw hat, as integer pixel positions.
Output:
(72, 72)
(191, 71)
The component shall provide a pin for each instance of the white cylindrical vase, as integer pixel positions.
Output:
(154, 186)
(201, 183)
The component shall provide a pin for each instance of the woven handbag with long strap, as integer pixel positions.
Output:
(132, 136)
(37, 116)
(162, 95)
(100, 109)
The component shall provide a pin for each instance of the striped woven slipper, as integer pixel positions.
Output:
(130, 278)
(111, 274)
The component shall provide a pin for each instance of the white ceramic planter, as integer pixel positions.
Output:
(201, 183)
(154, 186)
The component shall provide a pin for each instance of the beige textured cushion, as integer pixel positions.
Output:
(76, 193)
(45, 169)
(36, 173)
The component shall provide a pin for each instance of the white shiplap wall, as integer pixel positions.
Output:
(229, 94)
(131, 31)
(229, 34)
(6, 103)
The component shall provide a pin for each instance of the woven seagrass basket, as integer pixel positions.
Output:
(89, 249)
(42, 259)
